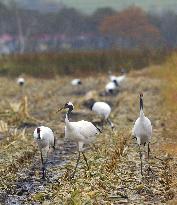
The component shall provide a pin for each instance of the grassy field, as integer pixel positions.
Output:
(114, 176)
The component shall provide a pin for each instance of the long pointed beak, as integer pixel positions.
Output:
(59, 109)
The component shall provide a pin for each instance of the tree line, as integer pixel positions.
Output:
(130, 28)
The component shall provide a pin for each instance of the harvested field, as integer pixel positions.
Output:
(114, 176)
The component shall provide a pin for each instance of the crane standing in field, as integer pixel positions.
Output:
(45, 140)
(142, 130)
(82, 132)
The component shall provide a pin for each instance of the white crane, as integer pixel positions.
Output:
(20, 81)
(142, 130)
(76, 82)
(102, 109)
(45, 140)
(111, 87)
(82, 132)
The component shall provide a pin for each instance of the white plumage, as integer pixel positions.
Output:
(45, 140)
(20, 81)
(104, 110)
(142, 129)
(118, 79)
(112, 77)
(76, 82)
(82, 132)
(110, 87)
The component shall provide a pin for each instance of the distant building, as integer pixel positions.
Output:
(6, 44)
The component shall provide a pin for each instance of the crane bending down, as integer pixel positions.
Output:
(111, 87)
(45, 140)
(102, 109)
(20, 81)
(82, 132)
(76, 82)
(142, 130)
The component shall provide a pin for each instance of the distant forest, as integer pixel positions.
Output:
(30, 30)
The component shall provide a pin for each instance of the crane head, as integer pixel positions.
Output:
(68, 105)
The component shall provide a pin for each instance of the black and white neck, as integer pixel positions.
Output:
(91, 103)
(116, 83)
(69, 112)
(70, 108)
(38, 133)
(141, 104)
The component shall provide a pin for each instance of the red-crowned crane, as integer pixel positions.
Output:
(142, 130)
(45, 140)
(102, 109)
(82, 132)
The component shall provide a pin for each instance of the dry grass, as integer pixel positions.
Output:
(114, 176)
(167, 73)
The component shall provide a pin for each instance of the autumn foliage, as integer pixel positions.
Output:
(131, 25)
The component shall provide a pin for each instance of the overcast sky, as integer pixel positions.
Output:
(89, 6)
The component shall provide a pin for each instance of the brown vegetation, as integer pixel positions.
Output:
(79, 63)
(132, 26)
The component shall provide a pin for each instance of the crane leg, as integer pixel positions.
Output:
(78, 159)
(110, 123)
(141, 160)
(149, 168)
(85, 160)
(54, 144)
(43, 167)
(148, 151)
